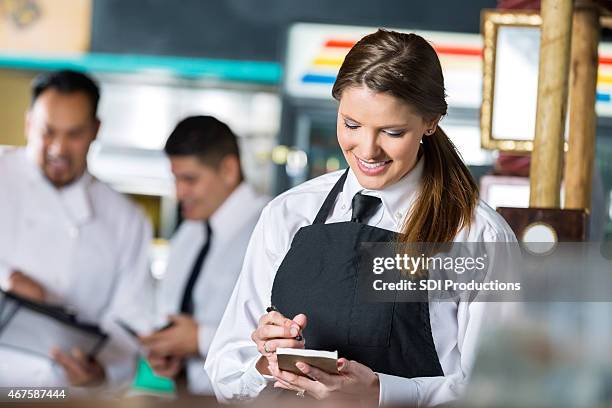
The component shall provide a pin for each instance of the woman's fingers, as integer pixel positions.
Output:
(272, 359)
(301, 320)
(333, 382)
(353, 383)
(344, 366)
(286, 385)
(312, 388)
(270, 346)
(274, 318)
(275, 330)
(351, 368)
(279, 384)
(269, 331)
(262, 347)
(285, 343)
(288, 376)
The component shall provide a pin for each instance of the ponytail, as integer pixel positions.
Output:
(448, 195)
(407, 67)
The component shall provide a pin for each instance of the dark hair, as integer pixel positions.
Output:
(205, 137)
(67, 81)
(407, 67)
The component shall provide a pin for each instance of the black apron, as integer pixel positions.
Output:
(318, 277)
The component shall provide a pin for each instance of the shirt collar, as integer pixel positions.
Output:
(396, 198)
(74, 197)
(232, 213)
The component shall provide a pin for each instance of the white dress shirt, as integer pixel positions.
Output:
(232, 225)
(87, 245)
(232, 356)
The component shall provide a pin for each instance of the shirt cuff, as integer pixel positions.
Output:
(397, 391)
(253, 382)
(205, 337)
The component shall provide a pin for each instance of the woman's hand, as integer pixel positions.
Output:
(355, 381)
(273, 331)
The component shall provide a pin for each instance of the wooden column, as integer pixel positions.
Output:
(547, 156)
(582, 125)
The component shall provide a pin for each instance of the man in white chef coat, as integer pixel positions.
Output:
(220, 211)
(68, 239)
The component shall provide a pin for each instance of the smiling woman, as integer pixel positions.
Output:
(405, 182)
(379, 135)
(395, 82)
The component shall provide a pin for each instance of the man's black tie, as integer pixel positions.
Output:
(187, 302)
(364, 206)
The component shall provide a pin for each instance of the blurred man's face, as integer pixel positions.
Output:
(200, 188)
(59, 128)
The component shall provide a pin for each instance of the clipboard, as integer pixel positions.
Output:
(35, 328)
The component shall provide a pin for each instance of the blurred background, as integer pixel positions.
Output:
(265, 67)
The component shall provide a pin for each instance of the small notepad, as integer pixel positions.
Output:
(323, 360)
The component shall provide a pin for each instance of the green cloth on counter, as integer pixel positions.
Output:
(146, 380)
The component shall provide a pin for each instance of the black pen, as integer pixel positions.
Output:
(127, 328)
(273, 308)
(166, 326)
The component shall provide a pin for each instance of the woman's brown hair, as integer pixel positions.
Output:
(407, 67)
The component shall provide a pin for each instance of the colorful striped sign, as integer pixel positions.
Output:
(460, 56)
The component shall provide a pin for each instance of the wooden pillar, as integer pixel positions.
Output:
(583, 119)
(547, 156)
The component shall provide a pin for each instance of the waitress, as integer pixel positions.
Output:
(405, 182)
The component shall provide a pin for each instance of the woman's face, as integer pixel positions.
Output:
(379, 135)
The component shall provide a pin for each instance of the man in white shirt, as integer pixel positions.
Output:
(68, 239)
(220, 211)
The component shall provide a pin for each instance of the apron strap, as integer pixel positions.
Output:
(328, 204)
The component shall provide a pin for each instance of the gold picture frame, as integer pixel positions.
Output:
(491, 23)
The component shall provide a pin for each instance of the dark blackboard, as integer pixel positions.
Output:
(255, 29)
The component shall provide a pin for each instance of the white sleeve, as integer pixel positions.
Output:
(132, 302)
(232, 356)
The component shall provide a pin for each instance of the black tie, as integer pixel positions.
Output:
(364, 206)
(187, 302)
